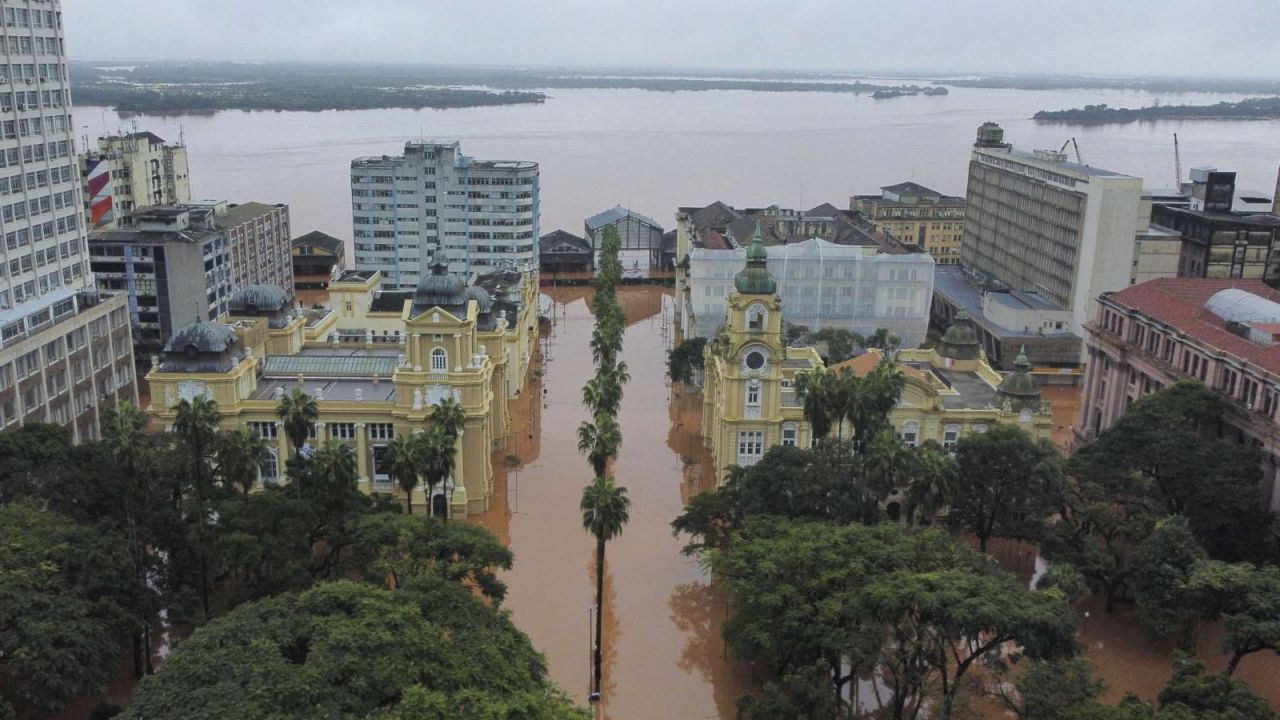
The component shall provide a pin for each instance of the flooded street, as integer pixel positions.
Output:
(663, 654)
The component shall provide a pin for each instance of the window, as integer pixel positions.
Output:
(343, 431)
(950, 436)
(381, 431)
(381, 473)
(439, 360)
(911, 432)
(750, 447)
(265, 430)
(753, 393)
(789, 435)
(269, 471)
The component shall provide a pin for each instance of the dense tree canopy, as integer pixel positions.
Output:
(351, 650)
(1005, 480)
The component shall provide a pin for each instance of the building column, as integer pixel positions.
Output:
(282, 452)
(319, 433)
(363, 476)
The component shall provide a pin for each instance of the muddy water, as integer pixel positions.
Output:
(663, 655)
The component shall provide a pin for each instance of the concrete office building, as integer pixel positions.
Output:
(65, 350)
(820, 284)
(133, 171)
(1222, 332)
(915, 214)
(433, 201)
(181, 264)
(1035, 222)
(1224, 233)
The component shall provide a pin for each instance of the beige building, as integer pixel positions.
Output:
(375, 363)
(917, 215)
(750, 403)
(145, 170)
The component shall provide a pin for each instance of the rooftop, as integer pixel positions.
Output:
(616, 213)
(320, 240)
(1183, 304)
(952, 282)
(244, 212)
(328, 366)
(342, 390)
(1039, 159)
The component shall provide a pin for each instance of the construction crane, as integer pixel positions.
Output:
(1177, 164)
(1072, 142)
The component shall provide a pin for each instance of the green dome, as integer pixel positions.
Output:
(960, 341)
(754, 279)
(1018, 388)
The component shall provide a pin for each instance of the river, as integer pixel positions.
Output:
(656, 151)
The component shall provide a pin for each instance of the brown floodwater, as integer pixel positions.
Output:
(663, 653)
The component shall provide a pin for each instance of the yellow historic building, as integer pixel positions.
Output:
(375, 362)
(750, 403)
(913, 213)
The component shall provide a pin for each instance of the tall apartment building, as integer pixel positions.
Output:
(477, 215)
(915, 214)
(133, 171)
(1035, 222)
(65, 349)
(181, 264)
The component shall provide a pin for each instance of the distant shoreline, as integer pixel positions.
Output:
(180, 88)
(1248, 109)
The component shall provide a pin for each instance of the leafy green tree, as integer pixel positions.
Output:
(939, 624)
(1248, 599)
(1057, 689)
(67, 601)
(794, 333)
(1004, 479)
(403, 461)
(869, 400)
(1162, 565)
(265, 544)
(817, 390)
(841, 343)
(605, 511)
(352, 650)
(240, 455)
(403, 547)
(805, 693)
(298, 412)
(600, 442)
(1190, 693)
(881, 339)
(1163, 457)
(1067, 580)
(197, 424)
(890, 464)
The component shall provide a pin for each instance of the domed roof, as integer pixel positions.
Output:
(482, 298)
(202, 337)
(754, 279)
(259, 298)
(439, 288)
(960, 341)
(1018, 387)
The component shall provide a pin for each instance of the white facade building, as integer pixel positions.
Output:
(821, 284)
(145, 171)
(65, 350)
(483, 215)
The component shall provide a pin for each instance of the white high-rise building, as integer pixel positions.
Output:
(66, 351)
(435, 204)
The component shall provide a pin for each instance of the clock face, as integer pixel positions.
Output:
(755, 360)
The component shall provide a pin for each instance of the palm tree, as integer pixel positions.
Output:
(436, 452)
(605, 507)
(933, 482)
(448, 415)
(124, 439)
(889, 463)
(299, 412)
(813, 391)
(197, 423)
(870, 399)
(599, 441)
(240, 455)
(402, 460)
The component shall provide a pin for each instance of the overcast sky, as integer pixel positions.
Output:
(1115, 37)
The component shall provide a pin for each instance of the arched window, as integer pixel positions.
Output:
(756, 315)
(439, 360)
(911, 432)
(269, 471)
(789, 434)
(950, 436)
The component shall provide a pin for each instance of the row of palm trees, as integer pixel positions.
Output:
(605, 504)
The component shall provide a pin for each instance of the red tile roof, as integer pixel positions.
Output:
(713, 240)
(1179, 303)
